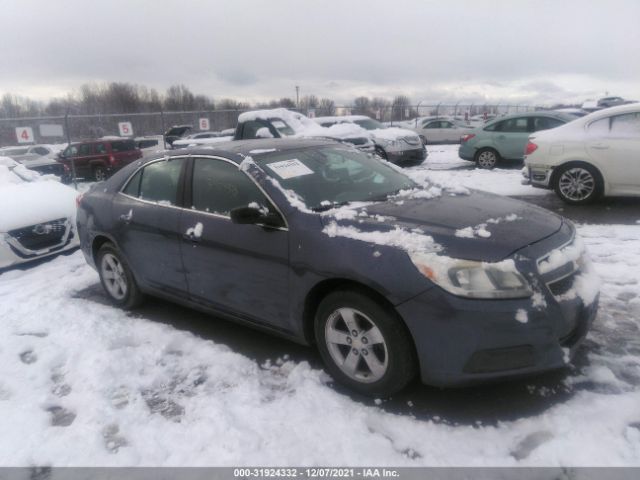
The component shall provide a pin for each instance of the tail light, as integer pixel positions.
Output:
(112, 159)
(79, 200)
(467, 137)
(531, 147)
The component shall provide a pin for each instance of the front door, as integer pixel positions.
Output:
(241, 270)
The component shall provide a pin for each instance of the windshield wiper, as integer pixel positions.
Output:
(329, 206)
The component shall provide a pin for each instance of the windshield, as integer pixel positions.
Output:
(369, 124)
(329, 176)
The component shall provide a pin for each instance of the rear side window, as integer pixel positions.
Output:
(123, 145)
(101, 148)
(41, 150)
(250, 129)
(513, 125)
(157, 182)
(85, 149)
(545, 123)
(219, 187)
(148, 143)
(627, 125)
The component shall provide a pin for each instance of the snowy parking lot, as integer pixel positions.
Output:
(83, 383)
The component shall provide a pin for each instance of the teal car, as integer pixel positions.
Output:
(505, 138)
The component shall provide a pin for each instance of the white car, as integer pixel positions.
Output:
(440, 130)
(397, 145)
(37, 215)
(598, 154)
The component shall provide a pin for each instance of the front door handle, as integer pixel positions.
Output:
(600, 146)
(126, 218)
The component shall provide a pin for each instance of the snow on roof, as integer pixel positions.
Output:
(304, 126)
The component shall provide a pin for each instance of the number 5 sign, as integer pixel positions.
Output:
(204, 124)
(24, 134)
(125, 129)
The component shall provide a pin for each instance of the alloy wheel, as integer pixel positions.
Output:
(577, 184)
(356, 345)
(115, 279)
(487, 159)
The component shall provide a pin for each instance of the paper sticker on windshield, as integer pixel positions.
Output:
(290, 168)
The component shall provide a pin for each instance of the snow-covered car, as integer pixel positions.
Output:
(37, 215)
(282, 123)
(325, 245)
(397, 145)
(598, 154)
(150, 145)
(40, 158)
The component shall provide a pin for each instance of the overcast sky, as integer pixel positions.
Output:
(446, 50)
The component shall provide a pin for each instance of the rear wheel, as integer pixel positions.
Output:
(578, 183)
(487, 158)
(116, 278)
(363, 344)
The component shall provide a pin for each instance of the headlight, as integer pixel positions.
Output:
(387, 143)
(473, 279)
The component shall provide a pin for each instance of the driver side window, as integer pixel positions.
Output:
(219, 187)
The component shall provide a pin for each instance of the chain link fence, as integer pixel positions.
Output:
(63, 129)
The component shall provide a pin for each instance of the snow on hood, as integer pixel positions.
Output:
(24, 203)
(304, 126)
(392, 133)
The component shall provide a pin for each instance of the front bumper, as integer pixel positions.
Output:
(14, 252)
(462, 341)
(407, 156)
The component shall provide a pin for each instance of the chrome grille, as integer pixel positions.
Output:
(42, 235)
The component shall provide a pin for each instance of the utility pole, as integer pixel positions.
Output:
(298, 96)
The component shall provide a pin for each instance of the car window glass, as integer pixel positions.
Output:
(627, 125)
(160, 181)
(147, 143)
(250, 129)
(123, 145)
(446, 125)
(600, 127)
(219, 187)
(101, 148)
(545, 123)
(71, 151)
(41, 150)
(85, 149)
(282, 127)
(433, 125)
(494, 127)
(133, 186)
(514, 125)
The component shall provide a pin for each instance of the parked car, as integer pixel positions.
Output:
(308, 239)
(505, 138)
(37, 215)
(596, 155)
(97, 159)
(398, 145)
(176, 132)
(281, 123)
(440, 130)
(150, 145)
(40, 158)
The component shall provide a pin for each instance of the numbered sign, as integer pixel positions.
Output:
(24, 135)
(311, 113)
(378, 114)
(125, 128)
(204, 124)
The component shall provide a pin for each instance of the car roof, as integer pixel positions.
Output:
(237, 150)
(537, 113)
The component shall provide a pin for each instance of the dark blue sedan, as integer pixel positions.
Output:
(321, 243)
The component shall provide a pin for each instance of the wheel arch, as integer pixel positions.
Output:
(581, 162)
(325, 287)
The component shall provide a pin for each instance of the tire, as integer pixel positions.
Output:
(364, 345)
(116, 278)
(100, 173)
(578, 183)
(487, 158)
(381, 153)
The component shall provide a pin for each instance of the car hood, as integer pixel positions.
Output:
(37, 161)
(30, 203)
(479, 226)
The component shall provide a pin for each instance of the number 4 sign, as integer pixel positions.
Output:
(204, 124)
(125, 128)
(24, 134)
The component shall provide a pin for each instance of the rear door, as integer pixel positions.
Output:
(510, 137)
(242, 270)
(83, 160)
(614, 145)
(147, 214)
(124, 152)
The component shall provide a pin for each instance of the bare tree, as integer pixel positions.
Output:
(326, 108)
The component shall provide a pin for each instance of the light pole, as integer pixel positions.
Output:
(298, 97)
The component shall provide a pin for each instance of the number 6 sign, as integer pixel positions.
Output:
(24, 134)
(125, 129)
(204, 124)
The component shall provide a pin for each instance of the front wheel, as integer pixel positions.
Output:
(116, 278)
(100, 173)
(364, 345)
(487, 158)
(578, 184)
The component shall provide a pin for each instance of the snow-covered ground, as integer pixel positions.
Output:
(82, 383)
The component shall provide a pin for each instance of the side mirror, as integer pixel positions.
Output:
(253, 216)
(61, 155)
